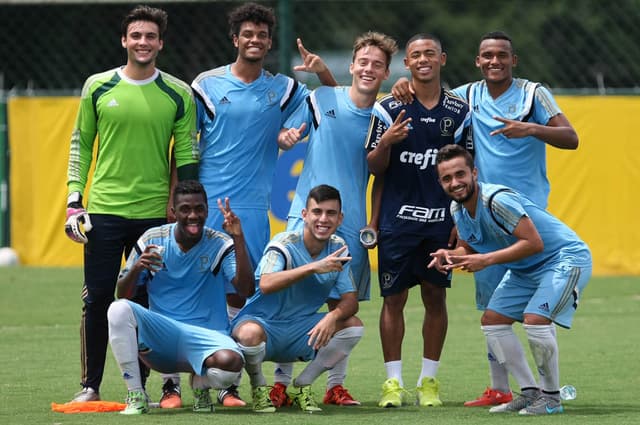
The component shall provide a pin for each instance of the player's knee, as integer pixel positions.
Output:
(228, 360)
(249, 334)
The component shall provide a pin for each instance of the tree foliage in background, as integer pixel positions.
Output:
(572, 44)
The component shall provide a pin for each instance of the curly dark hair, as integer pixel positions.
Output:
(251, 12)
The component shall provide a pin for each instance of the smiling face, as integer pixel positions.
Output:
(191, 213)
(321, 219)
(253, 41)
(496, 60)
(369, 69)
(458, 179)
(142, 42)
(424, 58)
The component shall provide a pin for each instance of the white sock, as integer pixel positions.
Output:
(506, 347)
(338, 348)
(124, 342)
(429, 369)
(283, 373)
(338, 373)
(253, 357)
(498, 373)
(544, 348)
(199, 382)
(221, 379)
(394, 370)
(175, 378)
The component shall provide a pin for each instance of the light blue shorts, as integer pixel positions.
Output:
(167, 345)
(287, 340)
(487, 281)
(553, 292)
(360, 268)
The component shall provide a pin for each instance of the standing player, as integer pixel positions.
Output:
(281, 321)
(187, 303)
(135, 110)
(336, 120)
(414, 220)
(513, 121)
(548, 268)
(241, 109)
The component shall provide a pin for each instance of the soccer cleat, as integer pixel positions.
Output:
(392, 393)
(229, 397)
(171, 398)
(543, 405)
(490, 397)
(340, 396)
(524, 399)
(136, 403)
(428, 393)
(303, 397)
(202, 401)
(87, 394)
(279, 396)
(261, 401)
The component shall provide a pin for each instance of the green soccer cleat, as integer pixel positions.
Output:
(392, 393)
(543, 405)
(428, 393)
(136, 403)
(261, 401)
(202, 401)
(303, 397)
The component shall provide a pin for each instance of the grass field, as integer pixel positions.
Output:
(39, 354)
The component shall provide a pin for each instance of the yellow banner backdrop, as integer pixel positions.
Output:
(592, 189)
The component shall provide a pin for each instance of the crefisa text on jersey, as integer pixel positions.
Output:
(422, 160)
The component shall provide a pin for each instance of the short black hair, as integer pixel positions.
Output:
(324, 192)
(189, 187)
(251, 12)
(147, 14)
(424, 36)
(448, 152)
(497, 35)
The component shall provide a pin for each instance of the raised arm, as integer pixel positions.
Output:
(273, 282)
(314, 63)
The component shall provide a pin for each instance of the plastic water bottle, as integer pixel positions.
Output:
(568, 392)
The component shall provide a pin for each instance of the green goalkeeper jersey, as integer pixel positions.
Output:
(134, 122)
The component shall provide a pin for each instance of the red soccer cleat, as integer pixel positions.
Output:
(279, 396)
(490, 397)
(229, 397)
(170, 396)
(340, 396)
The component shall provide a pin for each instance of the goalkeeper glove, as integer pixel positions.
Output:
(78, 221)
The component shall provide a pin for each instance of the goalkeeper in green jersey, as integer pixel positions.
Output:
(129, 114)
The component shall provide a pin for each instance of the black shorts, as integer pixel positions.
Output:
(403, 261)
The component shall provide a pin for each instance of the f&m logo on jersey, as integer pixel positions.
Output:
(421, 214)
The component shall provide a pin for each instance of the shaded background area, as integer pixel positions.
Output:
(572, 45)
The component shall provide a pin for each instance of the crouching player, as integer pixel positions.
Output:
(185, 267)
(548, 268)
(281, 322)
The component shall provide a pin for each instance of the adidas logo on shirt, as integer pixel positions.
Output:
(224, 100)
(112, 103)
(544, 307)
(330, 113)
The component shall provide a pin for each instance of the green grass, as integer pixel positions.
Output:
(39, 354)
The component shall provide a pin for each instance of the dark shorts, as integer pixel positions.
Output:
(403, 261)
